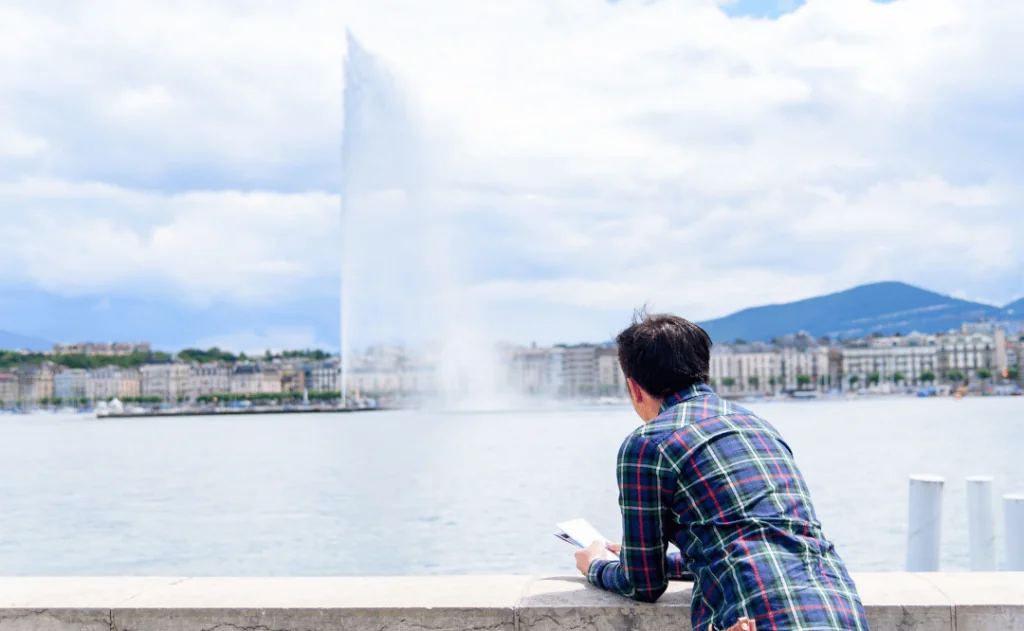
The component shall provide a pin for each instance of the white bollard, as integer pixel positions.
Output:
(1013, 513)
(981, 524)
(924, 536)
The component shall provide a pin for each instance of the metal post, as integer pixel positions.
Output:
(923, 538)
(981, 524)
(1013, 513)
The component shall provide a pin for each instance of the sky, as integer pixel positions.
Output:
(592, 156)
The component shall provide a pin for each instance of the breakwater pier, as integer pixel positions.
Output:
(223, 411)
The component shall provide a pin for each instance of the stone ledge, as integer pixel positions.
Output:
(894, 602)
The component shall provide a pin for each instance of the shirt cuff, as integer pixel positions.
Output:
(594, 571)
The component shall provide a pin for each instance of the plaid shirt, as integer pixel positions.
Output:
(721, 484)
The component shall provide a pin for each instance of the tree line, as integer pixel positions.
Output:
(16, 359)
(874, 378)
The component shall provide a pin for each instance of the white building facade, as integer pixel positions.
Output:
(112, 382)
(8, 389)
(209, 379)
(255, 379)
(169, 382)
(325, 376)
(71, 384)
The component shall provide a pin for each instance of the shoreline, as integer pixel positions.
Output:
(234, 412)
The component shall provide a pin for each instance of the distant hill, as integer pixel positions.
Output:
(22, 342)
(889, 307)
(1015, 310)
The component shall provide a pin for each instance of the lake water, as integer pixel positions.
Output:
(388, 493)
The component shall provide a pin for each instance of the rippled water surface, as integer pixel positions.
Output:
(427, 493)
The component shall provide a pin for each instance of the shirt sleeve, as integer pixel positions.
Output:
(642, 572)
(676, 565)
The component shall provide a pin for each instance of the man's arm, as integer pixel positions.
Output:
(641, 573)
(677, 568)
(675, 564)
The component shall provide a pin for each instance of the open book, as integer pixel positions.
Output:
(579, 533)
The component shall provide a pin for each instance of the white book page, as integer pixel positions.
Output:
(582, 531)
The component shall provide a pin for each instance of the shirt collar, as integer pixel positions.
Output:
(695, 391)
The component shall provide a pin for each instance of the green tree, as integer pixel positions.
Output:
(213, 354)
(955, 376)
(984, 374)
(874, 378)
(753, 381)
(1013, 373)
(728, 382)
(802, 381)
(854, 380)
(146, 399)
(898, 377)
(927, 376)
(771, 381)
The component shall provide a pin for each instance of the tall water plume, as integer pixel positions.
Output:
(400, 281)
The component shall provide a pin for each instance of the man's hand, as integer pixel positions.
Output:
(597, 551)
(743, 624)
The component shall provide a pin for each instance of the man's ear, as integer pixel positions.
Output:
(635, 390)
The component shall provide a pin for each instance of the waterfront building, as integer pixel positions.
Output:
(8, 389)
(556, 373)
(255, 378)
(530, 370)
(804, 369)
(325, 376)
(70, 384)
(887, 363)
(902, 360)
(799, 363)
(1019, 352)
(580, 371)
(745, 368)
(293, 377)
(611, 382)
(967, 352)
(103, 349)
(35, 383)
(169, 381)
(110, 382)
(209, 378)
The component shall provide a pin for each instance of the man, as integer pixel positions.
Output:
(721, 484)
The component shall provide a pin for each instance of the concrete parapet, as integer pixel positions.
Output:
(894, 602)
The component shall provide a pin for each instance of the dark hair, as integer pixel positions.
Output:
(664, 353)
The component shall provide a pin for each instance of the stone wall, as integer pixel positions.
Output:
(894, 602)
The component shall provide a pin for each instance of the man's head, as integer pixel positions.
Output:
(660, 355)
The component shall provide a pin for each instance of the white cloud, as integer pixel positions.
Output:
(254, 247)
(590, 155)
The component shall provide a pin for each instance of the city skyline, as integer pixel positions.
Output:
(980, 355)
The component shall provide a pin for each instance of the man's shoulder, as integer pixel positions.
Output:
(687, 425)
